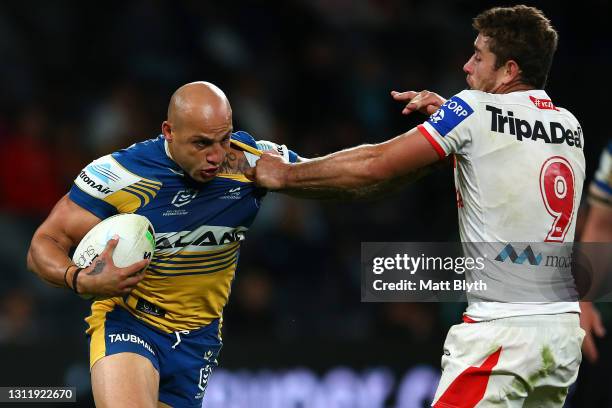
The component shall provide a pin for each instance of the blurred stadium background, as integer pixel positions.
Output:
(80, 79)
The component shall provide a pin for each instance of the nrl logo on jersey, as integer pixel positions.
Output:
(232, 194)
(184, 197)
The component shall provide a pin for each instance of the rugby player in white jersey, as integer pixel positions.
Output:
(519, 171)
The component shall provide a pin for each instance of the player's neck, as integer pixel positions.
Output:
(513, 86)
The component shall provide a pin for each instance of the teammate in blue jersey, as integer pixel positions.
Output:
(155, 339)
(597, 228)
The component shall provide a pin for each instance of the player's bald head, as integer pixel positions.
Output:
(199, 103)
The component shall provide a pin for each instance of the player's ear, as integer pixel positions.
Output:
(167, 130)
(512, 71)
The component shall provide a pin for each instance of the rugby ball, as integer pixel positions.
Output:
(136, 241)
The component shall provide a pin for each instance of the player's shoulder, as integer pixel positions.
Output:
(244, 137)
(566, 112)
(143, 157)
(251, 147)
(113, 172)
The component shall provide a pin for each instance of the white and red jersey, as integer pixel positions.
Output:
(519, 173)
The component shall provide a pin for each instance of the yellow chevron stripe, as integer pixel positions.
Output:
(203, 270)
(153, 185)
(246, 147)
(146, 188)
(196, 263)
(143, 197)
(124, 201)
(233, 245)
(236, 177)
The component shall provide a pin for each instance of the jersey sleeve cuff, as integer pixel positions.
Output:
(600, 194)
(431, 139)
(95, 206)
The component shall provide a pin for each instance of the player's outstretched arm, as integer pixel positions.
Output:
(63, 229)
(351, 170)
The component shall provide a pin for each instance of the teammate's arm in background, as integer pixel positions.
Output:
(63, 229)
(597, 228)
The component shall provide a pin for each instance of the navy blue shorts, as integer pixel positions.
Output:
(184, 359)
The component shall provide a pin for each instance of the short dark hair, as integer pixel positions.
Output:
(522, 34)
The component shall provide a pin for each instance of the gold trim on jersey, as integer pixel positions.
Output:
(124, 201)
(236, 177)
(196, 271)
(135, 195)
(96, 329)
(246, 147)
(198, 265)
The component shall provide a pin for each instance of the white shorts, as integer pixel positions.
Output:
(524, 361)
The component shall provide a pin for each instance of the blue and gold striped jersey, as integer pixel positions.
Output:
(199, 228)
(600, 192)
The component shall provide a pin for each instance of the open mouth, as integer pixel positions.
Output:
(209, 172)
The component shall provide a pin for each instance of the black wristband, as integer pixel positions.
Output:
(66, 275)
(74, 280)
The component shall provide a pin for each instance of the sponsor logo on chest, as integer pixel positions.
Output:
(547, 132)
(205, 236)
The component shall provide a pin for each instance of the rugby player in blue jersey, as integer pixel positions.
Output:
(155, 339)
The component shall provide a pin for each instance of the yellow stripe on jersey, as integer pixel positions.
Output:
(146, 189)
(236, 177)
(246, 147)
(196, 261)
(134, 196)
(96, 329)
(156, 185)
(144, 199)
(186, 271)
(124, 201)
(192, 262)
(182, 312)
(174, 283)
(184, 254)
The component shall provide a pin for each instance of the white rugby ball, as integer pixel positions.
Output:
(136, 241)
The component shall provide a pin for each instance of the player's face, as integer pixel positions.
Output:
(480, 68)
(199, 147)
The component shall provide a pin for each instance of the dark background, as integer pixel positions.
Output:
(80, 79)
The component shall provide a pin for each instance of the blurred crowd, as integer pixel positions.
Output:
(79, 80)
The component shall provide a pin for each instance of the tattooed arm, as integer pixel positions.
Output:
(63, 229)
